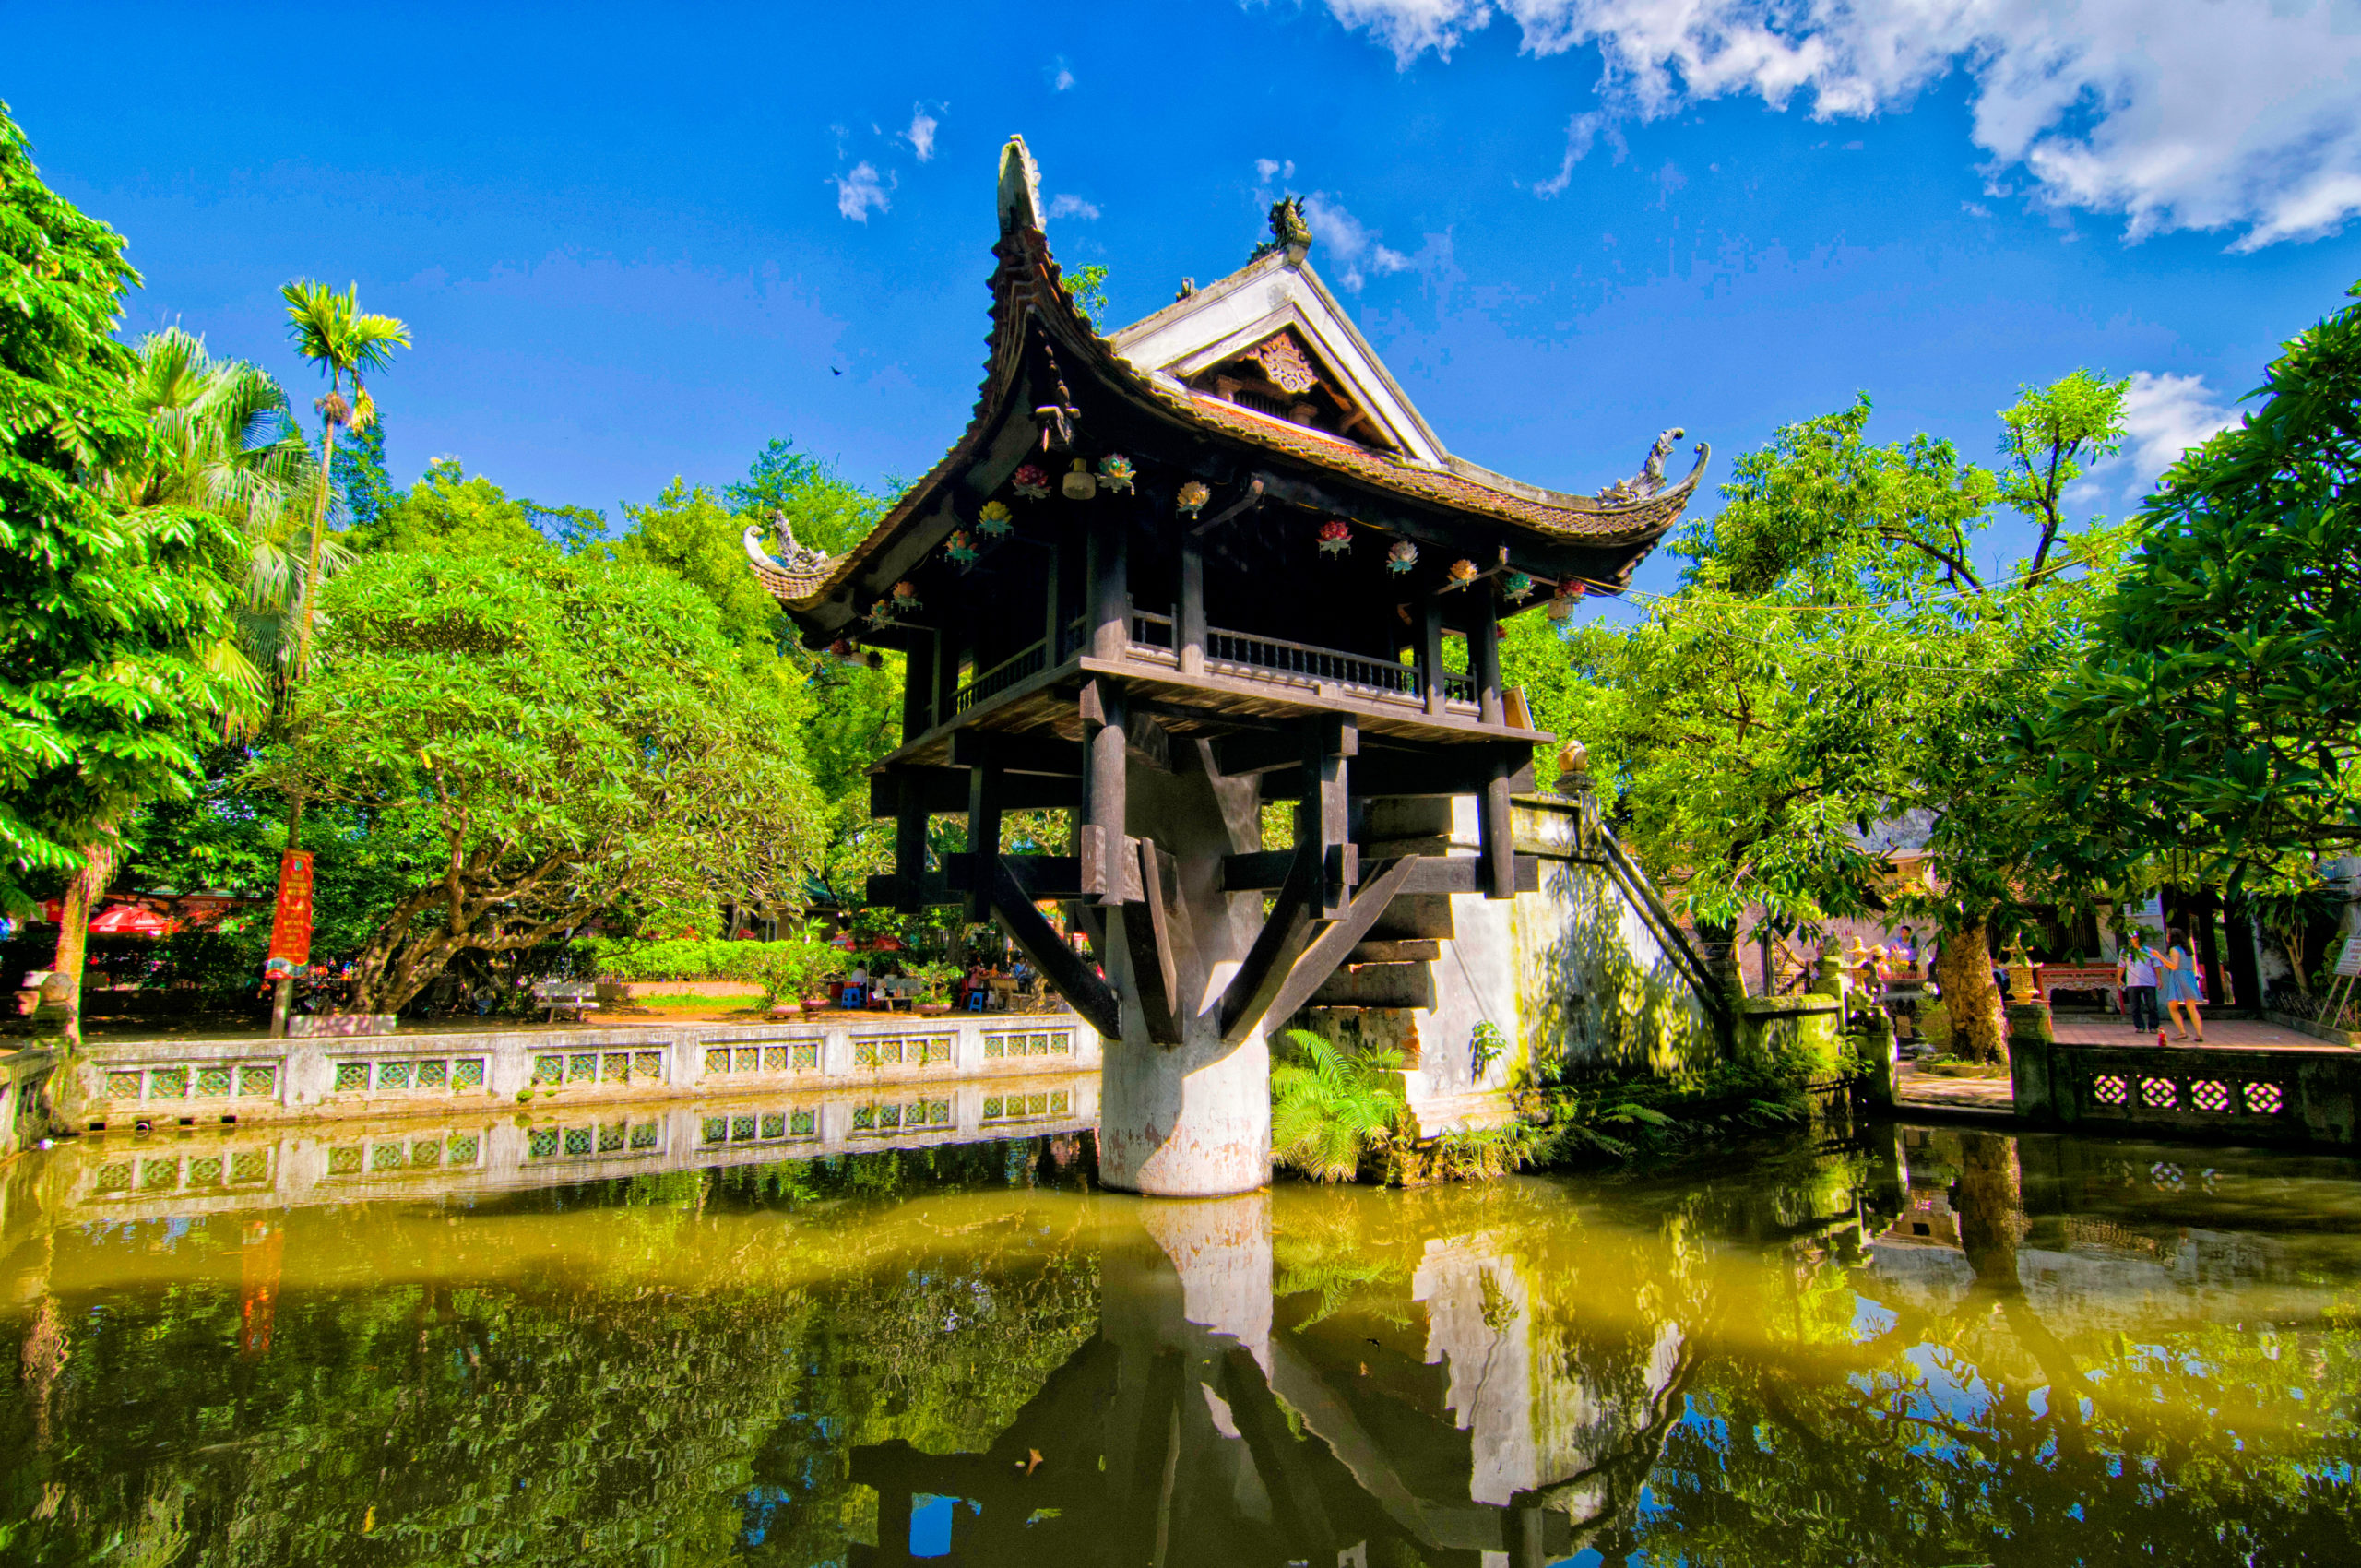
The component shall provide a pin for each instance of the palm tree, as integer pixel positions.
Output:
(331, 330)
(227, 444)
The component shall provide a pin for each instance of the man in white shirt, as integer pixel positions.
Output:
(2136, 964)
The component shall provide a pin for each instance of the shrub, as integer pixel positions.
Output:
(1329, 1111)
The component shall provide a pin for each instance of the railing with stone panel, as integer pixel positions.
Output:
(2293, 1095)
(189, 1083)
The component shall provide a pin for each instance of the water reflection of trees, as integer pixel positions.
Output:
(1975, 1353)
(1992, 1430)
(678, 1380)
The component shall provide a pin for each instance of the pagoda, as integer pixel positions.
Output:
(1169, 577)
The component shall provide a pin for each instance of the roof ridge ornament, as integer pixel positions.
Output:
(1290, 232)
(1650, 479)
(1020, 188)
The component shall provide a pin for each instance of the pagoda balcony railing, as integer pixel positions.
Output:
(1154, 639)
(988, 683)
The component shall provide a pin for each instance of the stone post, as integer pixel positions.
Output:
(2030, 1085)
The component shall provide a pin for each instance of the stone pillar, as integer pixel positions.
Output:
(1191, 1120)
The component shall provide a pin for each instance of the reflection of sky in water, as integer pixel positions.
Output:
(931, 1524)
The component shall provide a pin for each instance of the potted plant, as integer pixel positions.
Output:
(935, 1000)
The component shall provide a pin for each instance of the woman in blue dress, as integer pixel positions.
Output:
(2176, 988)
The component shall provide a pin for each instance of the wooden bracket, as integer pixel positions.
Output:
(1151, 934)
(1320, 960)
(1267, 963)
(1078, 983)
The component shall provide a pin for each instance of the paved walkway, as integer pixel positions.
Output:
(2235, 1033)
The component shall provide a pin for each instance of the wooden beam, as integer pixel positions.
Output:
(1261, 871)
(1059, 964)
(1276, 947)
(1044, 755)
(1467, 873)
(1148, 937)
(943, 791)
(1322, 825)
(1041, 876)
(1253, 494)
(1396, 950)
(1320, 959)
(1376, 985)
(918, 690)
(1455, 770)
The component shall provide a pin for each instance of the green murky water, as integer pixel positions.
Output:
(1924, 1347)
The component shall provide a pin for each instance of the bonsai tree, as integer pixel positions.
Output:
(789, 970)
(935, 977)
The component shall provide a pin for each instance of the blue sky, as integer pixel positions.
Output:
(638, 242)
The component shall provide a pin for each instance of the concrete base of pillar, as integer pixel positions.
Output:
(1193, 1120)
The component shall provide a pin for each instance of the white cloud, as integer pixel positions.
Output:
(860, 192)
(1060, 75)
(921, 135)
(2210, 115)
(1580, 131)
(1353, 245)
(2166, 415)
(1071, 206)
(1268, 169)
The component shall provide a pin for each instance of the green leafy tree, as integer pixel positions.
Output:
(1834, 660)
(569, 733)
(829, 512)
(451, 512)
(2217, 713)
(109, 611)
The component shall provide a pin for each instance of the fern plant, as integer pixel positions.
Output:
(1329, 1111)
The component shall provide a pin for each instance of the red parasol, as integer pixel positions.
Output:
(129, 919)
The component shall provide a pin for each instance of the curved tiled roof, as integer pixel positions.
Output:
(1025, 285)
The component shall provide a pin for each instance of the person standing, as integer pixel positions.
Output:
(2176, 988)
(2137, 969)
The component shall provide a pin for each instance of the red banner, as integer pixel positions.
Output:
(290, 922)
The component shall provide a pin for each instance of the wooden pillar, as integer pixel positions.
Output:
(1323, 829)
(1110, 607)
(1431, 654)
(1189, 629)
(909, 847)
(946, 672)
(917, 689)
(1484, 652)
(983, 832)
(2245, 967)
(1493, 830)
(1104, 799)
(1052, 619)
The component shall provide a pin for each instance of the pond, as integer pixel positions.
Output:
(1906, 1346)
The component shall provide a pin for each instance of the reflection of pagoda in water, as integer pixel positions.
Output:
(1189, 1431)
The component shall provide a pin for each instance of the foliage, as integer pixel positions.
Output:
(1087, 287)
(449, 512)
(1624, 1118)
(936, 976)
(567, 732)
(2218, 710)
(829, 512)
(108, 610)
(1835, 661)
(1331, 1112)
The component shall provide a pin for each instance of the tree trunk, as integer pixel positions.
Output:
(1964, 970)
(89, 886)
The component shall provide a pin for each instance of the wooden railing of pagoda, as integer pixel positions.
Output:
(1154, 639)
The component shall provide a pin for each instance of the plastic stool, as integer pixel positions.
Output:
(975, 1002)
